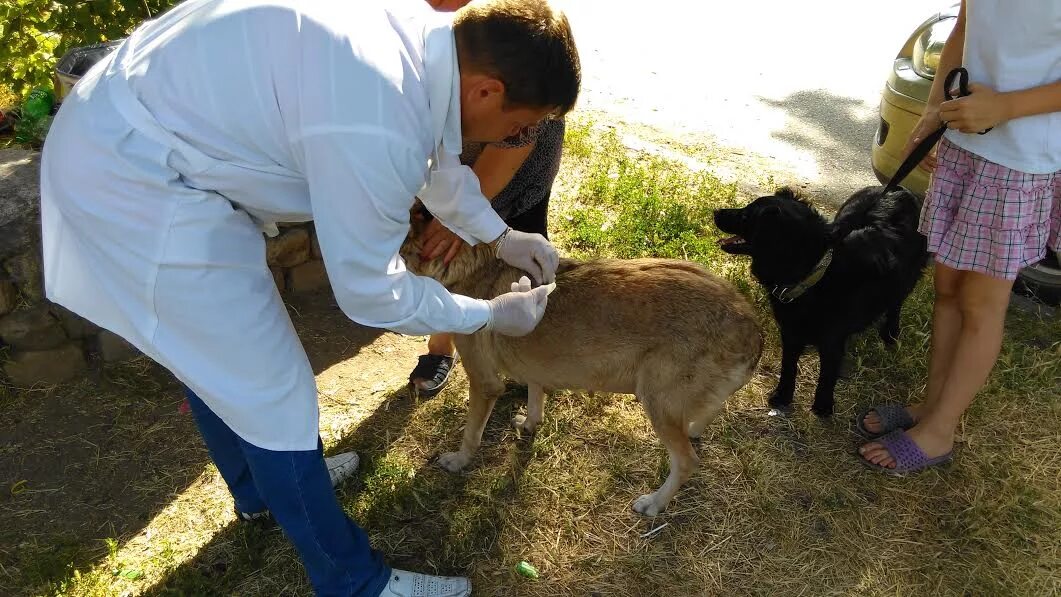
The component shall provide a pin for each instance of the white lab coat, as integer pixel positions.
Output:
(223, 117)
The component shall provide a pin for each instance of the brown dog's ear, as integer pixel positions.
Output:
(417, 219)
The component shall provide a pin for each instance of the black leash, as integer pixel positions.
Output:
(930, 141)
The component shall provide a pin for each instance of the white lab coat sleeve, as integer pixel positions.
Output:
(453, 196)
(361, 185)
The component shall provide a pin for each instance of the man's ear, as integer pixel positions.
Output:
(483, 90)
(492, 87)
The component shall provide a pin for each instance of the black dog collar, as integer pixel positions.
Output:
(787, 294)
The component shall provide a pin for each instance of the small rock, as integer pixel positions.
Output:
(32, 329)
(278, 278)
(308, 277)
(114, 348)
(289, 249)
(46, 366)
(76, 327)
(8, 296)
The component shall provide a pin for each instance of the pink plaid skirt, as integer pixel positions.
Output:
(982, 217)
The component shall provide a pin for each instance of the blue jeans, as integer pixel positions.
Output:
(296, 489)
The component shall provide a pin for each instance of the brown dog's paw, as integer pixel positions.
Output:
(454, 461)
(646, 505)
(522, 423)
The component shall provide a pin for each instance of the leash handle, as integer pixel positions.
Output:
(962, 76)
(959, 75)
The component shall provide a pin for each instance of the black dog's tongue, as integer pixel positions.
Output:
(729, 240)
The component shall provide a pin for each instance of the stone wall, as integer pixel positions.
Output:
(43, 343)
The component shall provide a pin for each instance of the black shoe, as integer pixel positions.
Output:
(435, 369)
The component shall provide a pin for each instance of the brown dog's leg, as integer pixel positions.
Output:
(724, 386)
(683, 460)
(535, 410)
(480, 405)
(697, 425)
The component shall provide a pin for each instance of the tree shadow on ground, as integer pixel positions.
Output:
(408, 523)
(838, 131)
(85, 466)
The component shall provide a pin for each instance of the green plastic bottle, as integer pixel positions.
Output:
(38, 104)
(36, 117)
(525, 569)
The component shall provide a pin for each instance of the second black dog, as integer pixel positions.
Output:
(828, 280)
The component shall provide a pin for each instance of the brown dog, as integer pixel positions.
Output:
(667, 331)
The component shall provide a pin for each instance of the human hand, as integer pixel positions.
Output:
(982, 109)
(518, 312)
(531, 253)
(929, 123)
(440, 241)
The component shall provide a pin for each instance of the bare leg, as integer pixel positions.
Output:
(535, 410)
(946, 326)
(441, 344)
(982, 301)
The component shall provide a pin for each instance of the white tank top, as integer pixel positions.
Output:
(1012, 45)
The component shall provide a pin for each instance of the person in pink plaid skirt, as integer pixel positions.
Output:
(993, 208)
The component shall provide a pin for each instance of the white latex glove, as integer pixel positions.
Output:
(516, 313)
(531, 253)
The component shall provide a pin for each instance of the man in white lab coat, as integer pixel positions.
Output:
(222, 117)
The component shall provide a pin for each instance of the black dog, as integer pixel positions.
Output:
(828, 280)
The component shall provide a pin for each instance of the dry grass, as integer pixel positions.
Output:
(8, 99)
(780, 505)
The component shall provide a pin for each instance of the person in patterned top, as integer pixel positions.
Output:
(517, 176)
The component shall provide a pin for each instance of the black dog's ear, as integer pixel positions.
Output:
(767, 224)
(771, 213)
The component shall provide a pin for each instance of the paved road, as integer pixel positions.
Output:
(794, 82)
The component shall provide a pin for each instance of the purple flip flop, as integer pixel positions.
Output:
(892, 417)
(908, 456)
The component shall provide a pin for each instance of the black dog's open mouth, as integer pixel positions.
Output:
(733, 244)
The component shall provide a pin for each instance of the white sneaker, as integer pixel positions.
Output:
(413, 584)
(341, 466)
